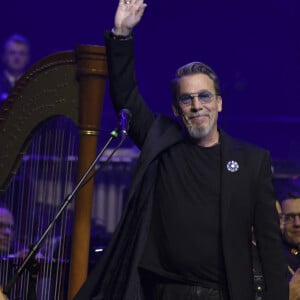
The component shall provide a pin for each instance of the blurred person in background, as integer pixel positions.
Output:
(7, 233)
(290, 217)
(15, 58)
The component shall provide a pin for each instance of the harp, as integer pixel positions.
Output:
(69, 84)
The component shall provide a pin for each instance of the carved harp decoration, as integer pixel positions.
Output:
(69, 84)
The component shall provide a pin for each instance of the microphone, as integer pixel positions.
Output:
(124, 117)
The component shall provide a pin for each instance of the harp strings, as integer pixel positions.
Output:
(39, 188)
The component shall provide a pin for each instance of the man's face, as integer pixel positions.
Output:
(7, 224)
(199, 118)
(291, 226)
(15, 57)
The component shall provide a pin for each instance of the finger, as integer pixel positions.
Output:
(141, 10)
(127, 2)
(136, 3)
(124, 2)
(139, 3)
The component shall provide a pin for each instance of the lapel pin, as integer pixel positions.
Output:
(232, 166)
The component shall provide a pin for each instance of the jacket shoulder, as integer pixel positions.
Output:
(239, 143)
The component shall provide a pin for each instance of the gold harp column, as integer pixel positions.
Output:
(92, 72)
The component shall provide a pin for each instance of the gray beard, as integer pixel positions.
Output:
(198, 133)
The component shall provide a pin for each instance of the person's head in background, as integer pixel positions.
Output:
(7, 231)
(16, 55)
(290, 206)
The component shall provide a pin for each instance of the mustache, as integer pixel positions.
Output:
(195, 115)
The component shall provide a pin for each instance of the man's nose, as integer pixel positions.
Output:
(196, 104)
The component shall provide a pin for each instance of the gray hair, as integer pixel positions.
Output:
(195, 67)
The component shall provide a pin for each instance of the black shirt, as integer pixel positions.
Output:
(184, 243)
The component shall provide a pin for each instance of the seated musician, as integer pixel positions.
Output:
(7, 233)
(290, 217)
(289, 212)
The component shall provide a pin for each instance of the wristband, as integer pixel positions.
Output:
(120, 37)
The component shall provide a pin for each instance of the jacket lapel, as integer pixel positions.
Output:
(163, 133)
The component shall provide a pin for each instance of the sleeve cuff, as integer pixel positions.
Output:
(119, 37)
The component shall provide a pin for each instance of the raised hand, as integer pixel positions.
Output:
(128, 14)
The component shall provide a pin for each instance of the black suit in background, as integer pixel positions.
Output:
(247, 200)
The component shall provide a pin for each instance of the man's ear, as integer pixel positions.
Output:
(220, 103)
(175, 110)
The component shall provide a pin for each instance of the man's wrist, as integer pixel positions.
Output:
(120, 37)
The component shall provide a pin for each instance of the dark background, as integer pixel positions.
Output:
(253, 46)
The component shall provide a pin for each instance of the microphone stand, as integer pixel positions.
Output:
(30, 261)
